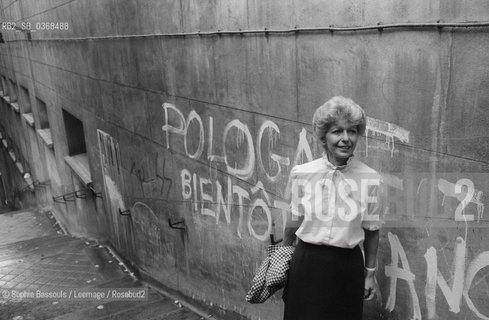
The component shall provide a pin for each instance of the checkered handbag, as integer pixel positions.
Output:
(271, 275)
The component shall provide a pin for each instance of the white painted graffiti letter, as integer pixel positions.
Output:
(394, 272)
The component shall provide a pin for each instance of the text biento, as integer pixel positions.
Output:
(347, 199)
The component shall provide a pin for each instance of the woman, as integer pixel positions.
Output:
(335, 207)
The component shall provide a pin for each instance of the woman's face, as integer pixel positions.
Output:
(340, 142)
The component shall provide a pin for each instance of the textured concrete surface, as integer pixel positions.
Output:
(245, 102)
(24, 225)
(35, 256)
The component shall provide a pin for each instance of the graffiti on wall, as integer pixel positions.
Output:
(154, 177)
(389, 131)
(214, 196)
(248, 192)
(455, 291)
(239, 192)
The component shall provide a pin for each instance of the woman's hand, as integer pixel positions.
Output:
(369, 291)
(370, 245)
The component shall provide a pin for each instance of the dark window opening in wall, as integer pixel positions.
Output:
(12, 91)
(3, 191)
(43, 114)
(4, 86)
(74, 134)
(24, 100)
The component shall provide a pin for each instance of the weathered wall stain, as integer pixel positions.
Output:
(113, 180)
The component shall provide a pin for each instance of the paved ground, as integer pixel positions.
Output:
(38, 259)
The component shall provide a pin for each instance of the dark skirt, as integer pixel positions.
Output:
(324, 283)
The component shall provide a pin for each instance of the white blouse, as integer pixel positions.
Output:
(337, 202)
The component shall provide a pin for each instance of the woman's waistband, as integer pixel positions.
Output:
(325, 247)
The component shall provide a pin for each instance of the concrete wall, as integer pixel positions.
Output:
(205, 129)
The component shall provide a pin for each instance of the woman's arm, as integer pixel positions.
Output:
(293, 223)
(370, 246)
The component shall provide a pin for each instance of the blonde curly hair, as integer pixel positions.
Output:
(338, 108)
